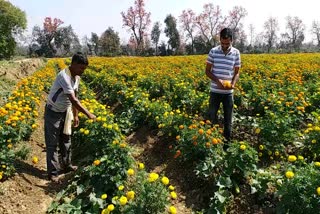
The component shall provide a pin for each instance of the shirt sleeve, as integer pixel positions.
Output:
(64, 82)
(210, 57)
(237, 60)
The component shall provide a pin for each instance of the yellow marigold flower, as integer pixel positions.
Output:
(165, 180)
(121, 187)
(261, 147)
(313, 141)
(292, 158)
(289, 174)
(110, 207)
(243, 147)
(318, 190)
(130, 195)
(123, 200)
(130, 172)
(141, 166)
(317, 164)
(86, 132)
(171, 188)
(35, 160)
(104, 196)
(81, 130)
(258, 130)
(153, 177)
(173, 195)
(300, 157)
(96, 162)
(172, 210)
(9, 146)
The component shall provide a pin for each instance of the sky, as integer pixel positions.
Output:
(86, 16)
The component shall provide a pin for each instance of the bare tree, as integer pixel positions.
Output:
(271, 26)
(187, 20)
(295, 34)
(209, 23)
(155, 35)
(137, 19)
(251, 32)
(316, 30)
(236, 15)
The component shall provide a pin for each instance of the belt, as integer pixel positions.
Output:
(50, 107)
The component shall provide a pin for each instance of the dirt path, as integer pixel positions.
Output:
(29, 192)
(154, 153)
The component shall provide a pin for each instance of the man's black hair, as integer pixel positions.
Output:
(79, 58)
(226, 33)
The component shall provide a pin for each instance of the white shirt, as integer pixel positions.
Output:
(63, 85)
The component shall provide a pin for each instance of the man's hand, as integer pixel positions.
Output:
(92, 116)
(220, 84)
(76, 121)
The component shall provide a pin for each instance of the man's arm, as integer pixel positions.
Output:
(77, 105)
(75, 113)
(235, 76)
(212, 76)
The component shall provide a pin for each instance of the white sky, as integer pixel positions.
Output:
(88, 16)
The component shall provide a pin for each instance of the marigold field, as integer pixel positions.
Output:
(273, 157)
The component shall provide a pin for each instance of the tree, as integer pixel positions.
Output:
(109, 43)
(85, 45)
(155, 35)
(271, 27)
(137, 20)
(43, 39)
(94, 44)
(236, 15)
(50, 29)
(316, 31)
(172, 33)
(251, 32)
(209, 23)
(12, 22)
(66, 41)
(295, 34)
(187, 20)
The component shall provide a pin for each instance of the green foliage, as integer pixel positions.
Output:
(172, 32)
(109, 43)
(150, 197)
(12, 20)
(22, 151)
(299, 194)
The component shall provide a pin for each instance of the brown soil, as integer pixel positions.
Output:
(29, 191)
(15, 70)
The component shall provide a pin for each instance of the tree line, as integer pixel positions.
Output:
(189, 33)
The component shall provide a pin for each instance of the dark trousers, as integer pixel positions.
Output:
(214, 105)
(58, 145)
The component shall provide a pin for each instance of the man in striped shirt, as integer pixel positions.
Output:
(223, 64)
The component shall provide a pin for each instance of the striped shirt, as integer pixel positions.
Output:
(223, 66)
(63, 85)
